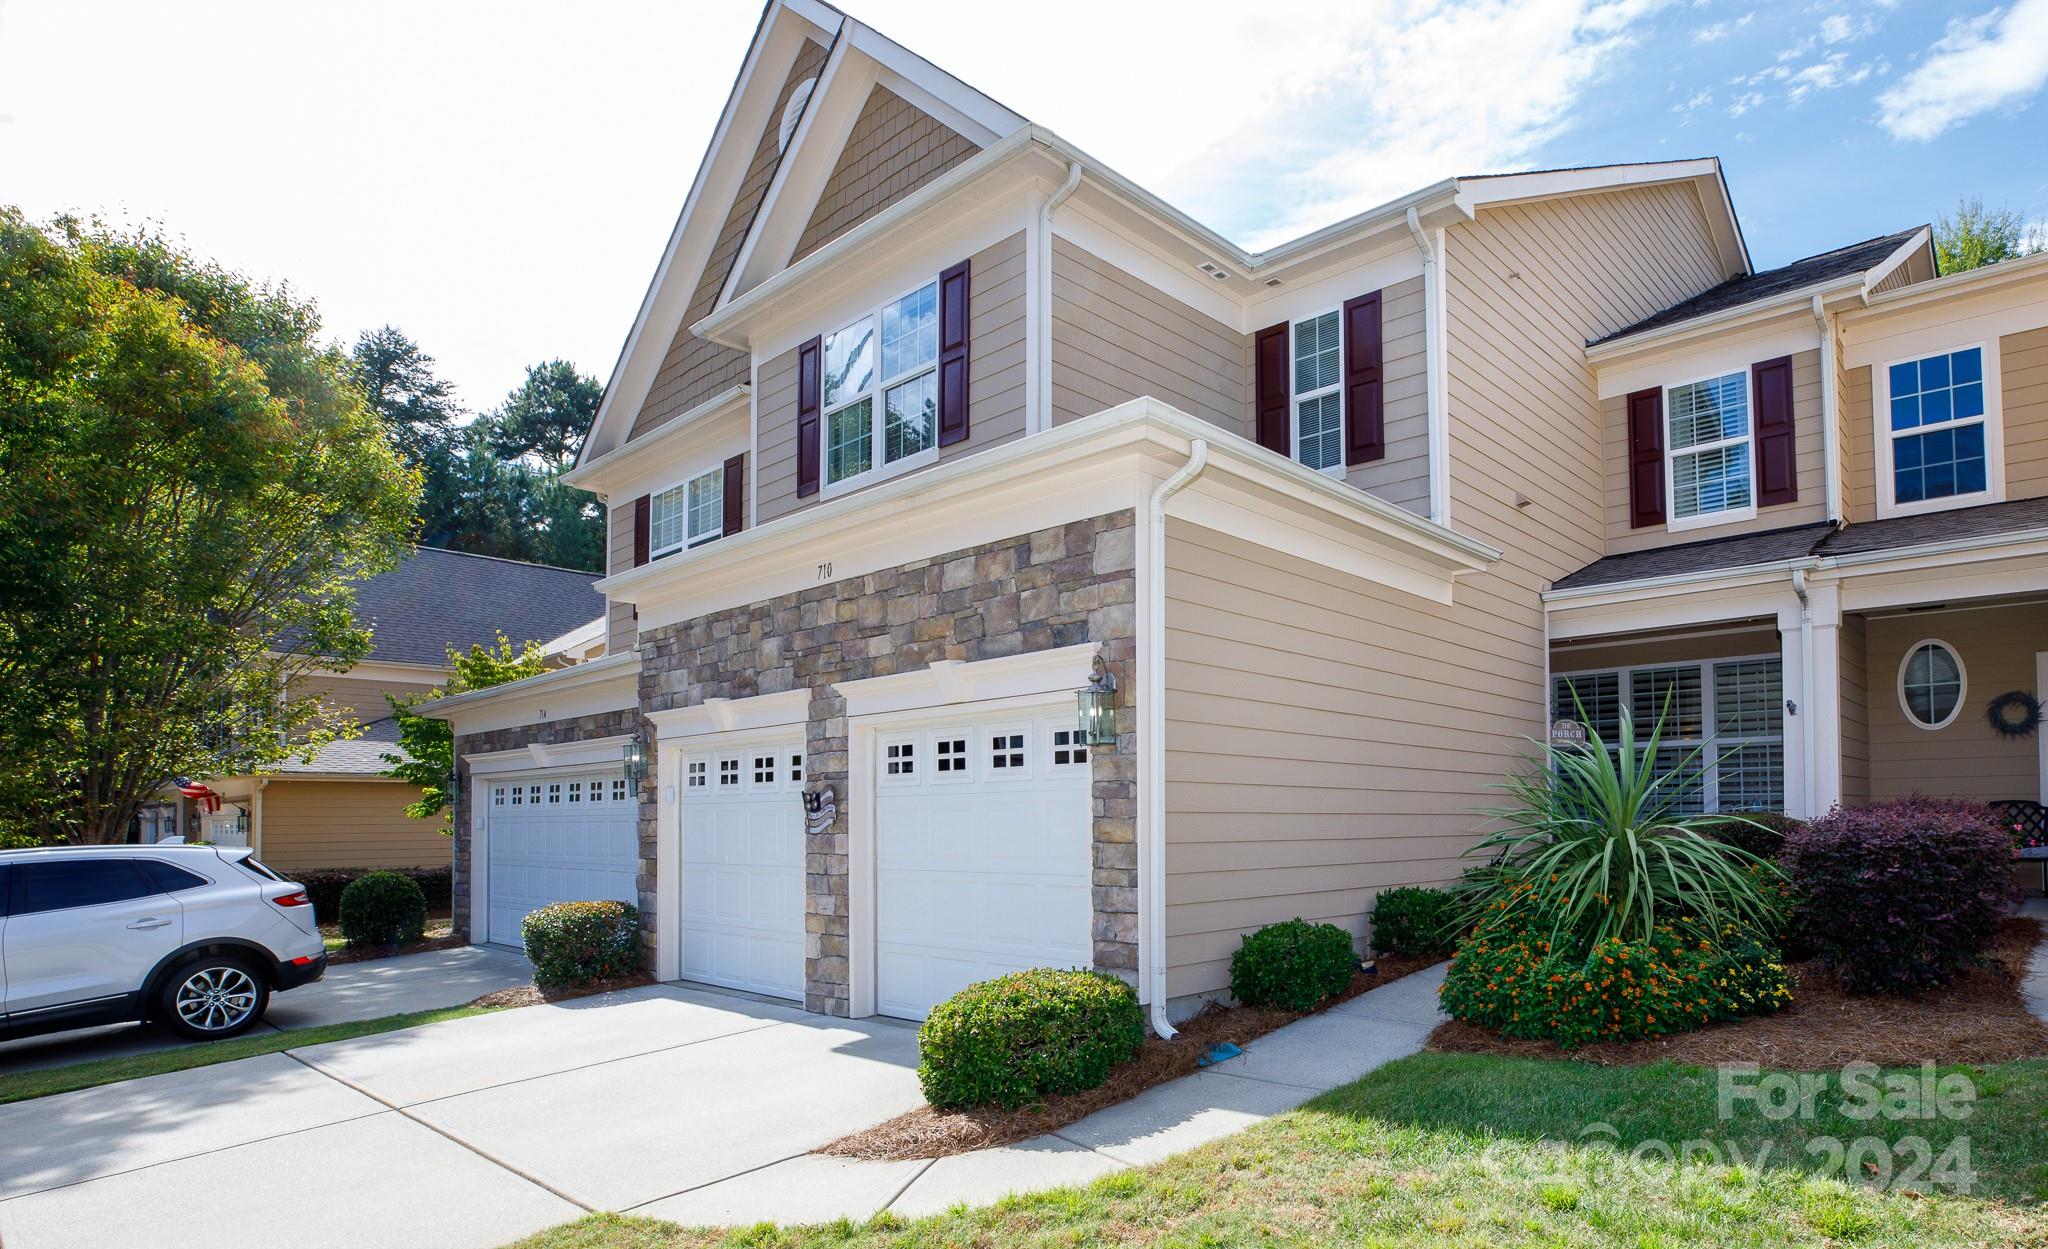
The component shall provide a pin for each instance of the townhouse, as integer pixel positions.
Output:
(1007, 570)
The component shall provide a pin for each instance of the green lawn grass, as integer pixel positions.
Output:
(85, 1075)
(1443, 1150)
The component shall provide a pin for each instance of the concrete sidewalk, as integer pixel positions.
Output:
(1275, 1074)
(353, 991)
(2035, 987)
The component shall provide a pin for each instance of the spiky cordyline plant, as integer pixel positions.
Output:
(1591, 837)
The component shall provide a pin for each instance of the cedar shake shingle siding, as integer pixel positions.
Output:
(695, 369)
(894, 148)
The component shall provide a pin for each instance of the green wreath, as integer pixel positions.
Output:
(2000, 711)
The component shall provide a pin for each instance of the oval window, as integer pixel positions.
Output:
(1931, 684)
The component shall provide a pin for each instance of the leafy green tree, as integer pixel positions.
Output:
(398, 379)
(190, 484)
(1977, 236)
(429, 745)
(547, 417)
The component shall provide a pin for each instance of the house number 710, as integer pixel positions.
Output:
(824, 571)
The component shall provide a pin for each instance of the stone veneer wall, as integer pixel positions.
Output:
(1061, 586)
(582, 728)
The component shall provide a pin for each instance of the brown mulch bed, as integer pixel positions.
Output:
(534, 995)
(439, 936)
(1978, 1018)
(930, 1133)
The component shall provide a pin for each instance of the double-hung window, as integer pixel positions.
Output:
(1711, 441)
(1724, 726)
(1937, 432)
(687, 513)
(880, 398)
(1318, 398)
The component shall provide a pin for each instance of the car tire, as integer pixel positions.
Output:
(212, 997)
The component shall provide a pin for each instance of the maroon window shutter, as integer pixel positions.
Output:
(809, 385)
(1365, 425)
(1646, 458)
(641, 507)
(1270, 390)
(953, 296)
(736, 493)
(1777, 473)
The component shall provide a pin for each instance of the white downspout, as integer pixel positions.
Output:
(1437, 421)
(1807, 744)
(1152, 736)
(1830, 414)
(1042, 250)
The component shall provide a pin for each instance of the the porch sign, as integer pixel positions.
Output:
(1567, 733)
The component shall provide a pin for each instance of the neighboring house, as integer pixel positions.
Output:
(926, 412)
(336, 810)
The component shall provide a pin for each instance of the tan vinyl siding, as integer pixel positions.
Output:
(1115, 338)
(1808, 451)
(2023, 387)
(1326, 738)
(1855, 711)
(894, 148)
(1997, 648)
(1402, 478)
(1664, 650)
(621, 628)
(695, 369)
(1859, 457)
(995, 381)
(310, 824)
(361, 697)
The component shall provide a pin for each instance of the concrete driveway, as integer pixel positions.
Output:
(369, 990)
(472, 1132)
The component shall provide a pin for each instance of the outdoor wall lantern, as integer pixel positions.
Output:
(1096, 704)
(636, 760)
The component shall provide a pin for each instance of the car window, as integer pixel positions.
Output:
(63, 885)
(170, 879)
(249, 862)
(6, 889)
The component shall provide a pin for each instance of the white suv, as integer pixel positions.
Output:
(192, 937)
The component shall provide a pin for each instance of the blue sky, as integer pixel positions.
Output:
(497, 177)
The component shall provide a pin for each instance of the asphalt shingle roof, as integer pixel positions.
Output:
(437, 599)
(1748, 288)
(1818, 539)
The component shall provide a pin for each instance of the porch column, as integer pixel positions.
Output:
(1810, 648)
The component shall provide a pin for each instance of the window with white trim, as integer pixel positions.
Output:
(728, 772)
(1710, 441)
(619, 790)
(951, 753)
(1006, 751)
(1937, 428)
(880, 402)
(1318, 396)
(693, 774)
(764, 769)
(1730, 711)
(796, 767)
(1069, 746)
(1931, 684)
(900, 759)
(687, 513)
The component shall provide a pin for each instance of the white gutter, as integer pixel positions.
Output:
(1807, 744)
(1433, 354)
(1041, 348)
(1830, 413)
(1152, 736)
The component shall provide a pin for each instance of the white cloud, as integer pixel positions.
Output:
(1710, 34)
(1981, 63)
(1827, 74)
(1841, 28)
(1745, 102)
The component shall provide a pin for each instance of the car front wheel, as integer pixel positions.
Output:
(213, 997)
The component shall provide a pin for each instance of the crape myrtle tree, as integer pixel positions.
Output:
(190, 483)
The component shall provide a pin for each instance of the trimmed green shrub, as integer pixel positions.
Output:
(1762, 833)
(1899, 896)
(1018, 1038)
(382, 909)
(1507, 977)
(324, 885)
(1413, 921)
(578, 942)
(1294, 965)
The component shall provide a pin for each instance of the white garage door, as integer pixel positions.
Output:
(743, 867)
(982, 855)
(559, 837)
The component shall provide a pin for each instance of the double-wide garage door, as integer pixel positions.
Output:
(558, 837)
